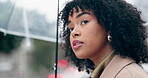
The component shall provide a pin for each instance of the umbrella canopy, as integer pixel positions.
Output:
(35, 19)
(29, 18)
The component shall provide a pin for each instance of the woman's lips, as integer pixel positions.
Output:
(77, 44)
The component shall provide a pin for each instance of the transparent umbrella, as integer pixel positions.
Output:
(36, 19)
(29, 18)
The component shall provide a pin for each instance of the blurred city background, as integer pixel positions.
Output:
(28, 39)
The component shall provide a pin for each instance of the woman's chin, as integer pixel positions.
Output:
(81, 57)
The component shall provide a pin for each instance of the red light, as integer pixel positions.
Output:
(60, 75)
(62, 63)
(51, 76)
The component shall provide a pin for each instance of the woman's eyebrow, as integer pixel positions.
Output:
(83, 14)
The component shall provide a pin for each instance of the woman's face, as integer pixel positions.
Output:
(87, 38)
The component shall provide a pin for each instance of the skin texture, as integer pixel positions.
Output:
(85, 28)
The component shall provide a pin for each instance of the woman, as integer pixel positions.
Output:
(106, 36)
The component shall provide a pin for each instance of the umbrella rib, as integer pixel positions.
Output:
(11, 12)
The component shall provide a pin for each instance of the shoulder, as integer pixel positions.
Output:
(132, 71)
(123, 68)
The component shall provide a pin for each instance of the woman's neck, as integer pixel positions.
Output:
(97, 59)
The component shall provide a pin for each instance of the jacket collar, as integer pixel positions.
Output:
(99, 69)
(115, 66)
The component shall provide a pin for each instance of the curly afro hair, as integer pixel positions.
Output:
(121, 19)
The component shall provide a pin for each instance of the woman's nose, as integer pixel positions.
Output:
(75, 33)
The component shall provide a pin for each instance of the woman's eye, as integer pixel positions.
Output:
(84, 22)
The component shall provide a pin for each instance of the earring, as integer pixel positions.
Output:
(109, 38)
